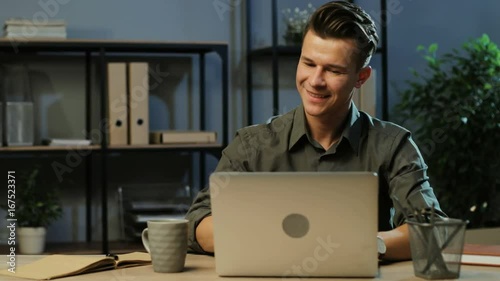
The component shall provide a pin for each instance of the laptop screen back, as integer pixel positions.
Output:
(295, 223)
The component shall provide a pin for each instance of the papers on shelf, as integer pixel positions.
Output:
(143, 218)
(25, 28)
(157, 206)
(66, 142)
(173, 136)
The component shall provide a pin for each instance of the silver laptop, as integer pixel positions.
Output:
(307, 224)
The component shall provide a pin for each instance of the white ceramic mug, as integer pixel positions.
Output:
(166, 241)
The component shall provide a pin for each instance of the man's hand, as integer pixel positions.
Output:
(205, 234)
(397, 242)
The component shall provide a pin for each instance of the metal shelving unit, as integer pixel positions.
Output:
(98, 50)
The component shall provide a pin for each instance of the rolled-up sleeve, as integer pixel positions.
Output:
(197, 212)
(408, 180)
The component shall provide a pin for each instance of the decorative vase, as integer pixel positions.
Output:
(293, 38)
(31, 240)
(18, 107)
(293, 34)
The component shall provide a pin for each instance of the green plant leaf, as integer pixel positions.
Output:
(432, 48)
(431, 60)
(458, 93)
(485, 39)
(36, 205)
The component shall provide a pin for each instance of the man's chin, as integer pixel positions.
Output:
(314, 111)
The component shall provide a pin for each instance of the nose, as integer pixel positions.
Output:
(316, 79)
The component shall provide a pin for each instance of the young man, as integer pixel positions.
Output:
(327, 132)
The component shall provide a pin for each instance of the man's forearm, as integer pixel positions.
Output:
(397, 242)
(205, 234)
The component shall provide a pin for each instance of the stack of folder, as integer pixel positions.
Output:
(128, 110)
(128, 98)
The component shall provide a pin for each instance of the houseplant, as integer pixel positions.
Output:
(453, 105)
(295, 22)
(36, 207)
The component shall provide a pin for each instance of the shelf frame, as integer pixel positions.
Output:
(15, 46)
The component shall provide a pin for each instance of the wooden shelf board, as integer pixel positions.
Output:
(89, 45)
(121, 147)
(167, 146)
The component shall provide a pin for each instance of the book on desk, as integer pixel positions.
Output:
(485, 255)
(58, 266)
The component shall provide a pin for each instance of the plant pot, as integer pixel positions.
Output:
(31, 240)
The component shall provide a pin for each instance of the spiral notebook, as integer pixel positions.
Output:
(485, 255)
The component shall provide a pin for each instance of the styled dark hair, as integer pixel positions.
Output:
(341, 19)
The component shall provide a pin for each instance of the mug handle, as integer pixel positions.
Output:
(145, 239)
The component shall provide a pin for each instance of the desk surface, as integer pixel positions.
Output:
(202, 268)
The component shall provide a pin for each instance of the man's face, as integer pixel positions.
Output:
(327, 74)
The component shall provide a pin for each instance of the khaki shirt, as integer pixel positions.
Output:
(367, 144)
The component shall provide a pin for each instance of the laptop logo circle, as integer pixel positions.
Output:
(295, 225)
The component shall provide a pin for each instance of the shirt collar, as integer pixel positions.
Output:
(352, 132)
(299, 128)
(354, 129)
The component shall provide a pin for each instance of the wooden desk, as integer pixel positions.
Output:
(202, 268)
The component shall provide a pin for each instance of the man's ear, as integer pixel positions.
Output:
(363, 75)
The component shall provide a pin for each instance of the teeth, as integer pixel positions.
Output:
(316, 96)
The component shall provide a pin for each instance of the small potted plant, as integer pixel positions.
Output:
(36, 208)
(295, 22)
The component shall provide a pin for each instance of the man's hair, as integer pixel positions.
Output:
(344, 20)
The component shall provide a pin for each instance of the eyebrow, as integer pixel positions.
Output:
(329, 66)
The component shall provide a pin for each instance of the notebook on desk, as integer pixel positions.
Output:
(319, 224)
